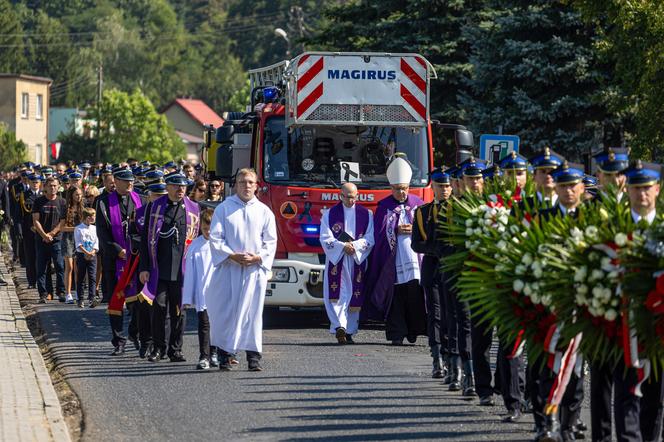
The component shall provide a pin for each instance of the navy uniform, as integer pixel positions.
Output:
(565, 427)
(612, 161)
(639, 419)
(16, 188)
(424, 241)
(26, 200)
(110, 249)
(170, 253)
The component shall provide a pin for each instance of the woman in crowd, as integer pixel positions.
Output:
(215, 191)
(74, 199)
(199, 190)
(91, 194)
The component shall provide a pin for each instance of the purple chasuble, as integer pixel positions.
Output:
(336, 220)
(381, 277)
(157, 211)
(120, 233)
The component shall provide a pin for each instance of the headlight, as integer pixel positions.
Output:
(280, 274)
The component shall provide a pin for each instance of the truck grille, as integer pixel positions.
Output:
(361, 112)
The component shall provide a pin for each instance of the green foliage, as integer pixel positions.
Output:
(13, 151)
(240, 99)
(536, 75)
(12, 58)
(632, 38)
(131, 127)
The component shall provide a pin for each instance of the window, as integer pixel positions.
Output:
(40, 102)
(25, 102)
(38, 153)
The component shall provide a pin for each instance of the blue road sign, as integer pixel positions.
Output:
(494, 147)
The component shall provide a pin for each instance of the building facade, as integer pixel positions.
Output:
(24, 108)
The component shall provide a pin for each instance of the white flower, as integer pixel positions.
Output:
(514, 229)
(614, 275)
(535, 298)
(503, 219)
(469, 232)
(535, 286)
(478, 231)
(597, 293)
(603, 214)
(468, 244)
(614, 302)
(580, 299)
(469, 222)
(596, 275)
(576, 233)
(520, 269)
(610, 315)
(515, 240)
(500, 268)
(518, 285)
(537, 273)
(501, 229)
(488, 222)
(542, 248)
(502, 245)
(527, 259)
(591, 231)
(524, 234)
(582, 289)
(546, 300)
(527, 289)
(620, 239)
(580, 274)
(606, 294)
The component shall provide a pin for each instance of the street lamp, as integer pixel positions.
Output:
(283, 34)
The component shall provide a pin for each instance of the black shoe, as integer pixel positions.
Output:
(411, 338)
(31, 286)
(42, 299)
(487, 401)
(255, 365)
(94, 303)
(144, 351)
(177, 357)
(119, 350)
(155, 356)
(513, 416)
(61, 298)
(349, 339)
(340, 334)
(579, 425)
(397, 342)
(225, 363)
(134, 341)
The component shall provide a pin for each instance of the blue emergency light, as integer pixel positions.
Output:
(311, 229)
(270, 94)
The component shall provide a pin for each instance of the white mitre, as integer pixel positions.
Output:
(399, 171)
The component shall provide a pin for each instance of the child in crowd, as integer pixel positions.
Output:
(199, 267)
(87, 245)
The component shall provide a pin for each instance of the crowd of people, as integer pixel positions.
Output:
(158, 240)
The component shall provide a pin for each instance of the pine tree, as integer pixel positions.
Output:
(536, 75)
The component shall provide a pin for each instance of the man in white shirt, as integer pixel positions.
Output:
(346, 234)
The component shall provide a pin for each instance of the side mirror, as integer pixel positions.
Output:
(464, 139)
(224, 157)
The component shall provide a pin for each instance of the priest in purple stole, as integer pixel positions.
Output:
(116, 210)
(392, 285)
(170, 226)
(346, 234)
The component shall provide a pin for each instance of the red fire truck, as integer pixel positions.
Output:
(318, 121)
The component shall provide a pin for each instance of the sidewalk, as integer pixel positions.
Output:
(29, 406)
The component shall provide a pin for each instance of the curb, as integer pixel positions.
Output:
(52, 407)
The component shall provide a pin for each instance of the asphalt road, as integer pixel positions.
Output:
(311, 389)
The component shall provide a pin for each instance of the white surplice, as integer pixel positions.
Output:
(236, 293)
(198, 273)
(338, 311)
(407, 261)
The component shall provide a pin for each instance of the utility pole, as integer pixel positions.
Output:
(100, 88)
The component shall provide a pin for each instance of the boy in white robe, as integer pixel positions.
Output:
(346, 234)
(243, 242)
(197, 275)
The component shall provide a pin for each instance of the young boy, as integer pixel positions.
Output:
(87, 246)
(199, 267)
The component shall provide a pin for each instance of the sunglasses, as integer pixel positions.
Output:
(215, 185)
(200, 190)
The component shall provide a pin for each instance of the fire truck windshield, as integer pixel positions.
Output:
(326, 156)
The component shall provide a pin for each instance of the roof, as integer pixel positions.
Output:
(27, 77)
(189, 138)
(198, 110)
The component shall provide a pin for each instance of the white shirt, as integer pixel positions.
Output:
(553, 199)
(407, 261)
(650, 217)
(85, 237)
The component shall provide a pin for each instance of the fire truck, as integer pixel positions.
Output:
(316, 122)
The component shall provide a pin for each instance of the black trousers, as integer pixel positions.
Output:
(251, 355)
(436, 316)
(17, 246)
(31, 256)
(601, 387)
(205, 349)
(459, 340)
(85, 268)
(140, 324)
(637, 419)
(571, 402)
(407, 316)
(108, 278)
(168, 302)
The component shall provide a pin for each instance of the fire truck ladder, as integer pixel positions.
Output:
(272, 75)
